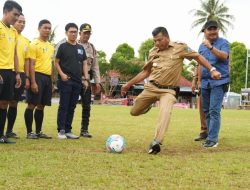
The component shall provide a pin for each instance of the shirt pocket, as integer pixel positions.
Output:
(174, 57)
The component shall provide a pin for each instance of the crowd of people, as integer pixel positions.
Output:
(28, 65)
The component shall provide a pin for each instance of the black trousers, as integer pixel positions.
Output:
(69, 94)
(86, 102)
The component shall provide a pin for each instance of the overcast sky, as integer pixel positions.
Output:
(129, 21)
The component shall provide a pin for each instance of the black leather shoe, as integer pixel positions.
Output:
(43, 136)
(147, 109)
(154, 148)
(85, 134)
(201, 137)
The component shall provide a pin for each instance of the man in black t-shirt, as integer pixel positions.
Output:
(71, 64)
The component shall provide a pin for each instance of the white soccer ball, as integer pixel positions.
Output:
(115, 144)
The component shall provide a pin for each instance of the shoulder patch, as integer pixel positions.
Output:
(180, 42)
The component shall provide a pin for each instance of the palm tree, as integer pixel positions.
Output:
(213, 10)
(52, 36)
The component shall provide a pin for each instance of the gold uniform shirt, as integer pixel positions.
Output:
(22, 51)
(8, 40)
(42, 52)
(166, 65)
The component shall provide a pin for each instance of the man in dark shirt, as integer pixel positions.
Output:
(71, 64)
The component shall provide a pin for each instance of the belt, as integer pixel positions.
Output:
(163, 86)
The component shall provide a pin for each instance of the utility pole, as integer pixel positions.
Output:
(248, 55)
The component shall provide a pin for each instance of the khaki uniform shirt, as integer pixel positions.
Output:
(166, 65)
(91, 53)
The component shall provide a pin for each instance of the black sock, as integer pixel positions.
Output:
(39, 120)
(11, 115)
(3, 114)
(28, 116)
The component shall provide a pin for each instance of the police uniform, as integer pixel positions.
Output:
(8, 40)
(165, 66)
(42, 52)
(94, 73)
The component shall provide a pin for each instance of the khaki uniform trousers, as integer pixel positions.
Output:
(202, 115)
(150, 95)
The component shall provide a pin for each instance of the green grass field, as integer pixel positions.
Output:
(85, 164)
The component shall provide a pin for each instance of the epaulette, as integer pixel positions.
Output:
(180, 42)
(153, 49)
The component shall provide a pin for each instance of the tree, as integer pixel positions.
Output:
(188, 70)
(213, 10)
(52, 36)
(238, 66)
(145, 47)
(118, 62)
(104, 66)
(126, 50)
(123, 60)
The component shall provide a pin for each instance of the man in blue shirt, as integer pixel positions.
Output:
(216, 51)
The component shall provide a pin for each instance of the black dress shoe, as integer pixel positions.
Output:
(201, 137)
(147, 109)
(43, 136)
(154, 148)
(85, 134)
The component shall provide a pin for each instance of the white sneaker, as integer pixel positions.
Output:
(61, 135)
(71, 136)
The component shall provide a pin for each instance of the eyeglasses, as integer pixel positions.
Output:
(73, 32)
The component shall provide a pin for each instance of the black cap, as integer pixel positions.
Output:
(85, 28)
(208, 24)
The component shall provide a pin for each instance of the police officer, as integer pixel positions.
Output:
(94, 72)
(196, 83)
(40, 93)
(23, 59)
(8, 61)
(216, 51)
(164, 71)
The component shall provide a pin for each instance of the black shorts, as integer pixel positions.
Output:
(18, 92)
(7, 85)
(44, 95)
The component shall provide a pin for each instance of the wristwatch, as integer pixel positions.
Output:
(212, 69)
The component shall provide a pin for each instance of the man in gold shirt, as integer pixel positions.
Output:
(8, 61)
(40, 93)
(22, 53)
(164, 71)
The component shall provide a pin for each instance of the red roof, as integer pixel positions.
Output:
(185, 82)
